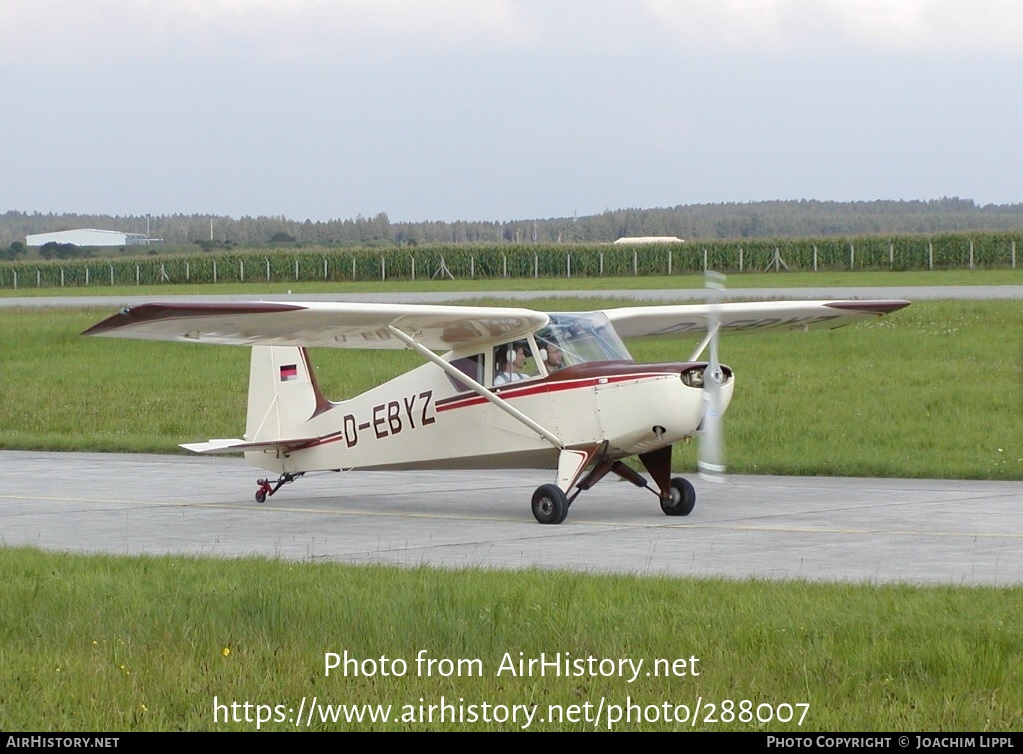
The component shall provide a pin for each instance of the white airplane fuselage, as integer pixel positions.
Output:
(423, 419)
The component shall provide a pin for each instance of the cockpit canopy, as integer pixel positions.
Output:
(566, 340)
(582, 338)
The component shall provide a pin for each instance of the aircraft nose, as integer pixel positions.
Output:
(693, 376)
(697, 375)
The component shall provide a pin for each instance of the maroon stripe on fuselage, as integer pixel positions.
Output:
(580, 376)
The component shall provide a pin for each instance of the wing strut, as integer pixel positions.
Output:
(711, 332)
(476, 387)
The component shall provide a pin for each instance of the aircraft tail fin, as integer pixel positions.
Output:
(283, 395)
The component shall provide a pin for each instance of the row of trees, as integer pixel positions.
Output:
(51, 250)
(15, 251)
(779, 219)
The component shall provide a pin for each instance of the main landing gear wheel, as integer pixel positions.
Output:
(681, 500)
(550, 504)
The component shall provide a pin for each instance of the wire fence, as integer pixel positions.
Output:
(952, 251)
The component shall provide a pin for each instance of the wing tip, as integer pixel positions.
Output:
(154, 312)
(880, 308)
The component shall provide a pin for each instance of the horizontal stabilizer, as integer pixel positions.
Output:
(240, 446)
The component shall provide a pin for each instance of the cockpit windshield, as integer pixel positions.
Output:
(579, 338)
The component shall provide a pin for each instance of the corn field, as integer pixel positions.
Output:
(469, 261)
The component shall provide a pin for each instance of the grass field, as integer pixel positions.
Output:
(931, 391)
(116, 643)
(109, 644)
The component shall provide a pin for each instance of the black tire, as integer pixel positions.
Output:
(260, 496)
(550, 504)
(682, 499)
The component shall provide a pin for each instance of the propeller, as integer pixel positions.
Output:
(711, 453)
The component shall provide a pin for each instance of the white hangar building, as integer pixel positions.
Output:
(636, 240)
(89, 237)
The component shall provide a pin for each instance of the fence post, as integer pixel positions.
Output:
(536, 266)
(39, 281)
(241, 270)
(891, 255)
(740, 259)
(61, 277)
(704, 260)
(214, 270)
(268, 270)
(324, 268)
(353, 268)
(1014, 254)
(568, 264)
(635, 262)
(602, 264)
(504, 263)
(383, 268)
(138, 275)
(669, 260)
(971, 253)
(852, 256)
(413, 266)
(472, 266)
(815, 257)
(86, 277)
(112, 273)
(930, 255)
(15, 280)
(188, 273)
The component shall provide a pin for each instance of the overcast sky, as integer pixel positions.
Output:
(503, 109)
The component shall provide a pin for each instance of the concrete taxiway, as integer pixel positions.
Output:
(860, 530)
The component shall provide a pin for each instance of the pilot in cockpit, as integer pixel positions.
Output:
(510, 358)
(552, 355)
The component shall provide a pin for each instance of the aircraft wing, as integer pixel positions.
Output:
(763, 316)
(326, 325)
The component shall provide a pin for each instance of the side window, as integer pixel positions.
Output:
(513, 362)
(471, 366)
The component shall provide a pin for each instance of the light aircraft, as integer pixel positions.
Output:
(501, 387)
